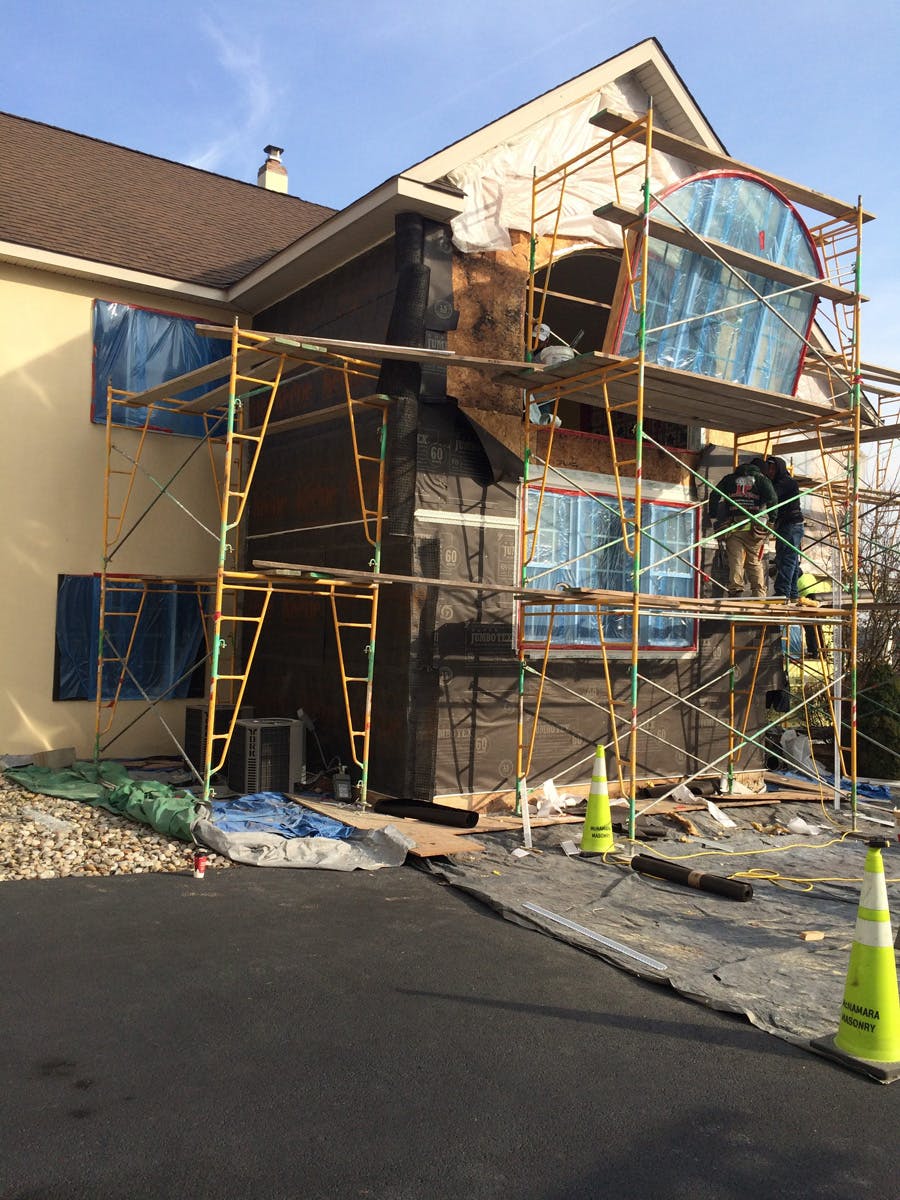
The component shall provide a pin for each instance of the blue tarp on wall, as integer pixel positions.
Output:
(166, 641)
(138, 348)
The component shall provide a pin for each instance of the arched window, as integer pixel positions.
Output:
(701, 317)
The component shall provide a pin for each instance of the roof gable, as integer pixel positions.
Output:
(674, 108)
(370, 219)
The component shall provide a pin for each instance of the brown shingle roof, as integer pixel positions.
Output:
(76, 195)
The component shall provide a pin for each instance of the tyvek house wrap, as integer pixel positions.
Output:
(498, 184)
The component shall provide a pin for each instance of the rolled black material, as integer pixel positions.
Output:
(734, 889)
(424, 810)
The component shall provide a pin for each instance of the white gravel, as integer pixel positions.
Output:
(46, 838)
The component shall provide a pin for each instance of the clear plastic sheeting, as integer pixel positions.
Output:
(138, 348)
(701, 316)
(498, 184)
(580, 545)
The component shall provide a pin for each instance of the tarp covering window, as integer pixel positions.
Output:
(165, 619)
(137, 348)
(580, 544)
(700, 315)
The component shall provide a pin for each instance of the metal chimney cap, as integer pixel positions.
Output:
(274, 152)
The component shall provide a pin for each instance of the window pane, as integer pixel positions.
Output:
(580, 544)
(748, 342)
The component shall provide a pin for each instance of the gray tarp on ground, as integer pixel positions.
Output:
(365, 850)
(739, 957)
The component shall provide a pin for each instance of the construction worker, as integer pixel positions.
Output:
(740, 500)
(813, 591)
(788, 525)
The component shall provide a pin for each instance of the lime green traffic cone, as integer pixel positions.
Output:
(868, 1035)
(597, 837)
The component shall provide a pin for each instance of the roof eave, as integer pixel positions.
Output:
(350, 232)
(36, 258)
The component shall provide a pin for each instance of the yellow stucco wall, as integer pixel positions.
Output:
(52, 492)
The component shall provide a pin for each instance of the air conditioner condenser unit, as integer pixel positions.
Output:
(267, 754)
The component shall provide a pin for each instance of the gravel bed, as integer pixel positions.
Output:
(42, 837)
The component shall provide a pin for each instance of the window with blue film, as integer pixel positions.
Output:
(163, 622)
(580, 544)
(138, 348)
(701, 317)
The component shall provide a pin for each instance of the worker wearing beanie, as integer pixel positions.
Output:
(737, 507)
(788, 527)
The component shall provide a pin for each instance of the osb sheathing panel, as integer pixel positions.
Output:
(489, 289)
(579, 452)
(490, 292)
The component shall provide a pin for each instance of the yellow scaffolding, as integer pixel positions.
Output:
(259, 364)
(239, 599)
(763, 421)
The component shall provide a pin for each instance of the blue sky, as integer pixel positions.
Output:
(357, 92)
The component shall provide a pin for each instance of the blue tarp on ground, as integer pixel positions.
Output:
(272, 812)
(874, 791)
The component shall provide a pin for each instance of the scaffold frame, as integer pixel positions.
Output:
(765, 423)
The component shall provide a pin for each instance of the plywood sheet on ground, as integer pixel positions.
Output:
(429, 840)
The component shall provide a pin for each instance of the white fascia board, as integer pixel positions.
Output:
(674, 106)
(85, 268)
(355, 229)
(645, 60)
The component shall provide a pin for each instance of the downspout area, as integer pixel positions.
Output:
(402, 381)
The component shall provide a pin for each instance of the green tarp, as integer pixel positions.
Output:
(108, 785)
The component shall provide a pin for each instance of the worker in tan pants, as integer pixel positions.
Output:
(743, 548)
(737, 506)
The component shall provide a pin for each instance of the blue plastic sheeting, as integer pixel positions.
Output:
(747, 344)
(165, 647)
(579, 544)
(137, 348)
(874, 791)
(272, 812)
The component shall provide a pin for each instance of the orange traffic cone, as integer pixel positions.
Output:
(597, 836)
(868, 1036)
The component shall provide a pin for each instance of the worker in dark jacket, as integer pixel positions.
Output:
(740, 499)
(788, 518)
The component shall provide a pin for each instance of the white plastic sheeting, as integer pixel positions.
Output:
(498, 184)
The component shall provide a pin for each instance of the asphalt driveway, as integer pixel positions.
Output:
(304, 1034)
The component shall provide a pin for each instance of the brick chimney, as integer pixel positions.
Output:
(272, 174)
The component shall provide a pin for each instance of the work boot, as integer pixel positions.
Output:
(807, 602)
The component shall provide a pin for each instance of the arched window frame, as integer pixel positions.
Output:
(626, 307)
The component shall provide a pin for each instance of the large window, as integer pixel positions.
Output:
(580, 544)
(163, 622)
(700, 316)
(137, 348)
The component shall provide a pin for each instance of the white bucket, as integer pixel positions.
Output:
(551, 356)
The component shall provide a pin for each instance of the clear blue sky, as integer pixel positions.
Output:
(356, 91)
